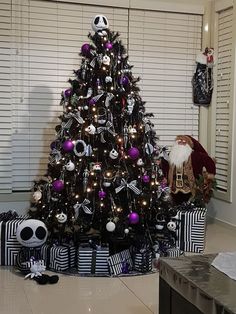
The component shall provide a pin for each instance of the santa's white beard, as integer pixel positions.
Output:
(179, 154)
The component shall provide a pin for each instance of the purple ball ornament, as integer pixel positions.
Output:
(133, 218)
(58, 185)
(133, 153)
(146, 178)
(67, 93)
(85, 49)
(92, 102)
(124, 80)
(108, 46)
(68, 146)
(102, 194)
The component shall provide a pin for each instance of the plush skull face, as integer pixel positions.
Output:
(99, 22)
(171, 226)
(31, 233)
(91, 129)
(113, 154)
(61, 217)
(70, 166)
(106, 60)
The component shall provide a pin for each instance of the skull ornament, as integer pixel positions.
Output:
(91, 129)
(99, 22)
(61, 217)
(70, 166)
(31, 233)
(113, 154)
(171, 226)
(106, 60)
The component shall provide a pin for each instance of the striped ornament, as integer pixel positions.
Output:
(192, 230)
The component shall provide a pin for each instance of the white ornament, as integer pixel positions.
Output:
(61, 218)
(140, 162)
(99, 22)
(37, 195)
(97, 167)
(113, 154)
(130, 106)
(149, 149)
(171, 226)
(80, 148)
(110, 226)
(108, 79)
(159, 227)
(91, 129)
(106, 60)
(70, 166)
(106, 184)
(126, 231)
(132, 130)
(31, 233)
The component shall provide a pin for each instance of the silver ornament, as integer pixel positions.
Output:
(126, 231)
(110, 226)
(149, 149)
(108, 79)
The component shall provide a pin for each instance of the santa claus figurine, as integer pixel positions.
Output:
(188, 161)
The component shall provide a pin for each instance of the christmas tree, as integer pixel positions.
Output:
(104, 177)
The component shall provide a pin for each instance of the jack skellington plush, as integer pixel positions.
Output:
(32, 234)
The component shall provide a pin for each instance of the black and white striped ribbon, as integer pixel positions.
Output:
(131, 186)
(84, 206)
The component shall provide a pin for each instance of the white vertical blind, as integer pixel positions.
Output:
(5, 97)
(223, 99)
(163, 48)
(48, 37)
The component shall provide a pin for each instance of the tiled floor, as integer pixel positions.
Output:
(133, 295)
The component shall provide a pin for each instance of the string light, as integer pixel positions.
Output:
(94, 109)
(77, 196)
(89, 190)
(144, 203)
(119, 209)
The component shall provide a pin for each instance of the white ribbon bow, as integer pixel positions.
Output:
(131, 186)
(82, 205)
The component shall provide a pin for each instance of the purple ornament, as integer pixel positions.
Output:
(108, 45)
(53, 145)
(68, 146)
(67, 93)
(85, 49)
(133, 218)
(92, 101)
(133, 153)
(102, 194)
(58, 185)
(124, 80)
(146, 178)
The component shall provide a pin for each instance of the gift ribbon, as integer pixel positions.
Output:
(82, 205)
(102, 129)
(131, 186)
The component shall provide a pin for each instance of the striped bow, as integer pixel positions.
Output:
(84, 206)
(131, 186)
(76, 116)
(108, 128)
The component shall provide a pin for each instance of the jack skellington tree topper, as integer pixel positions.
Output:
(32, 234)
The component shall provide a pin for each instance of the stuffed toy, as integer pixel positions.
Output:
(32, 234)
(188, 165)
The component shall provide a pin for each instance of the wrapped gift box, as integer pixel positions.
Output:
(191, 230)
(59, 257)
(120, 263)
(9, 246)
(173, 252)
(93, 261)
(143, 261)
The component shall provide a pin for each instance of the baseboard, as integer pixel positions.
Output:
(222, 223)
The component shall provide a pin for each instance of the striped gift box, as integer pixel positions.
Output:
(191, 231)
(143, 261)
(173, 252)
(120, 263)
(93, 261)
(59, 258)
(9, 246)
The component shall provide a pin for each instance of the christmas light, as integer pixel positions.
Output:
(144, 203)
(89, 190)
(119, 209)
(77, 196)
(94, 109)
(95, 184)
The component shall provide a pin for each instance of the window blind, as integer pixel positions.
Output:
(163, 48)
(223, 99)
(47, 37)
(5, 97)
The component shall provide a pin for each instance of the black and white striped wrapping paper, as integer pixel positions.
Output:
(59, 258)
(143, 261)
(9, 246)
(93, 261)
(117, 261)
(191, 231)
(173, 252)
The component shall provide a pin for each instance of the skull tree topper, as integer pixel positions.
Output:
(99, 22)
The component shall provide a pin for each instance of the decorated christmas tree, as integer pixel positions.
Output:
(104, 178)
